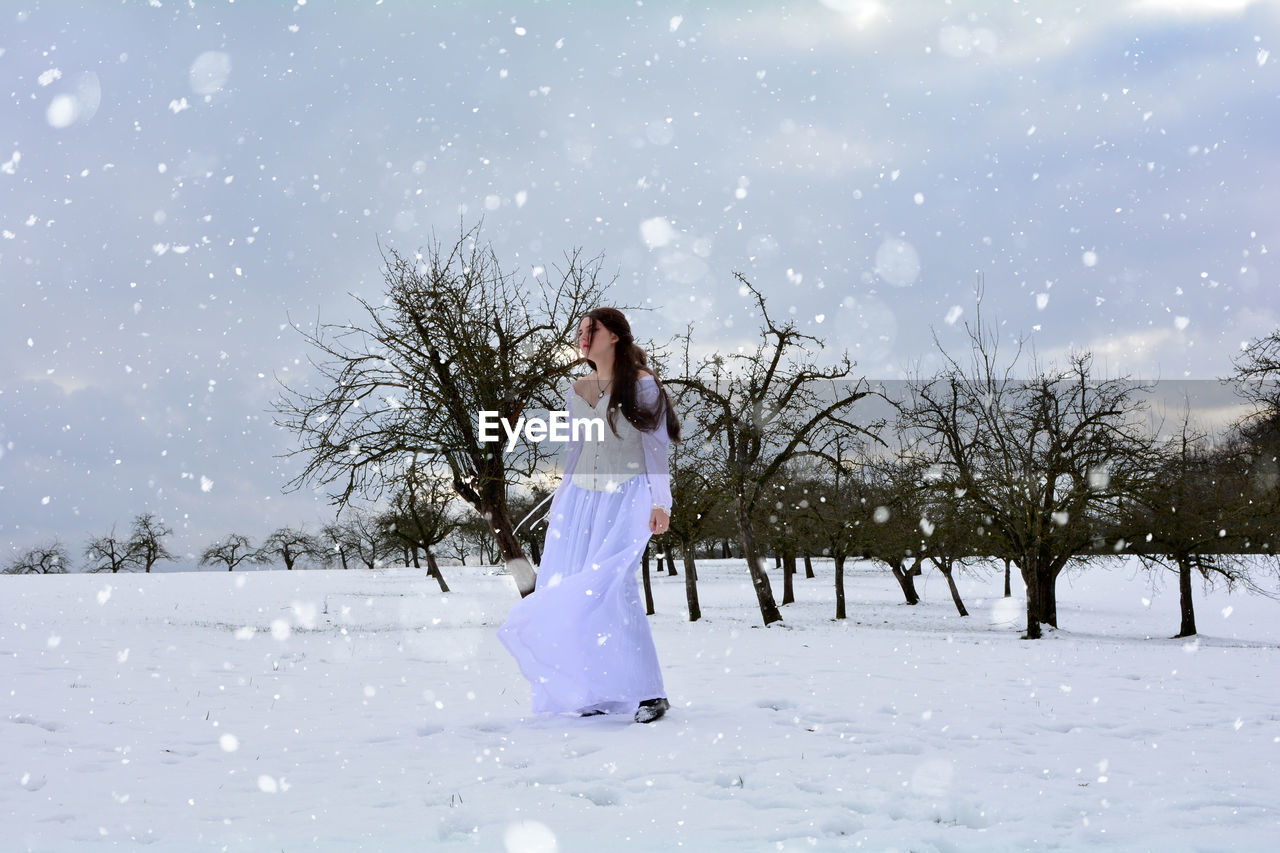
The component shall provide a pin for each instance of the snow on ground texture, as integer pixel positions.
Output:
(366, 711)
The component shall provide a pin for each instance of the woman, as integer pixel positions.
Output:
(582, 637)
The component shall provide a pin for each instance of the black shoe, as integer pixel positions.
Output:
(651, 709)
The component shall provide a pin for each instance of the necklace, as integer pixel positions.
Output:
(600, 393)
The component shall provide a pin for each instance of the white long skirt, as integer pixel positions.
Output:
(582, 637)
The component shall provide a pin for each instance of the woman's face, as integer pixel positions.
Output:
(593, 346)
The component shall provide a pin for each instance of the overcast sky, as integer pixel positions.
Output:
(179, 179)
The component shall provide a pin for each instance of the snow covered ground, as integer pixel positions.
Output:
(364, 710)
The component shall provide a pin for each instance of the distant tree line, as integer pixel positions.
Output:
(1041, 467)
(993, 457)
(404, 534)
(140, 550)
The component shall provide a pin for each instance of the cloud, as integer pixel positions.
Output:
(820, 149)
(916, 30)
(859, 14)
(773, 31)
(1000, 36)
(1113, 352)
(67, 383)
(1189, 8)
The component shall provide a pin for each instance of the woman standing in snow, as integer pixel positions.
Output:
(582, 637)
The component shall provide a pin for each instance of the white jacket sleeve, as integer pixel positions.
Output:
(655, 446)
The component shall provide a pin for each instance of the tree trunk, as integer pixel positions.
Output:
(839, 557)
(945, 566)
(690, 582)
(1188, 628)
(1049, 596)
(648, 591)
(777, 560)
(725, 553)
(1008, 589)
(808, 567)
(414, 553)
(644, 560)
(671, 560)
(759, 579)
(907, 579)
(1032, 584)
(510, 551)
(788, 573)
(509, 547)
(536, 551)
(433, 571)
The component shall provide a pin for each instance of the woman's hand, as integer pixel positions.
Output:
(659, 521)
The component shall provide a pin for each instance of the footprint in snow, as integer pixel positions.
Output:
(840, 825)
(382, 738)
(32, 721)
(492, 726)
(599, 796)
(893, 748)
(174, 756)
(579, 750)
(775, 704)
(63, 817)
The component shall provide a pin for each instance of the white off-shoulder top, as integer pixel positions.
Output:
(606, 465)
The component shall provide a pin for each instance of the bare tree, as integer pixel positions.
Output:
(334, 538)
(1257, 380)
(950, 522)
(761, 410)
(473, 537)
(781, 513)
(894, 536)
(646, 578)
(422, 517)
(368, 538)
(231, 551)
(836, 507)
(147, 540)
(110, 553)
(1045, 460)
(290, 544)
(1194, 516)
(1257, 375)
(697, 492)
(46, 559)
(456, 335)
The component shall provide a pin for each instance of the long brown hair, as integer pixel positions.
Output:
(628, 359)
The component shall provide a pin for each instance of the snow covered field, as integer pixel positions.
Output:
(363, 710)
